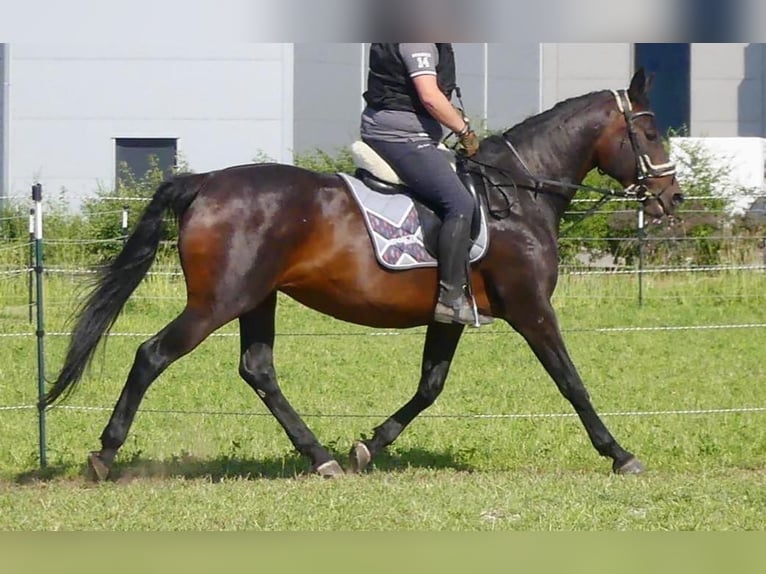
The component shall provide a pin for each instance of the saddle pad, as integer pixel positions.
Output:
(394, 226)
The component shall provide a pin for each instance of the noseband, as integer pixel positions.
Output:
(645, 169)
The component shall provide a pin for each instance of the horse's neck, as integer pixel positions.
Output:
(570, 159)
(563, 152)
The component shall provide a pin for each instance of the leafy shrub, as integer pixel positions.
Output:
(323, 162)
(701, 237)
(103, 212)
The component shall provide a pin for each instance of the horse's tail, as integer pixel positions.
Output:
(117, 281)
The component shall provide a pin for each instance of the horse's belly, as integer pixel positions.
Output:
(383, 305)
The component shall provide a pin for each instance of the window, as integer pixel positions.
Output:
(671, 89)
(135, 156)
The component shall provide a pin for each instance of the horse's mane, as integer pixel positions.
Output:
(558, 114)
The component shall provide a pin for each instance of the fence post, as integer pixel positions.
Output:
(31, 261)
(641, 234)
(124, 225)
(37, 197)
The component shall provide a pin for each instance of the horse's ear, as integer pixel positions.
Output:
(638, 85)
(649, 83)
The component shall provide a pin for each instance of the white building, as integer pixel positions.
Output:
(70, 113)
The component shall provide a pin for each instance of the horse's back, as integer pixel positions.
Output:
(271, 177)
(270, 193)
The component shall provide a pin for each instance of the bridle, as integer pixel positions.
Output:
(645, 169)
(638, 191)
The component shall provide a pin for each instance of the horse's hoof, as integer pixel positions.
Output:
(329, 469)
(632, 466)
(360, 457)
(99, 469)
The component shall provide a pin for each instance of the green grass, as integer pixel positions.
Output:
(398, 500)
(223, 463)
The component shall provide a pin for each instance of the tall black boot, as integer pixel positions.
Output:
(453, 305)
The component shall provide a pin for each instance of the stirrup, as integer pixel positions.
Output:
(478, 318)
(461, 311)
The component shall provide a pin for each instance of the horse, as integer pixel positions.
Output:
(248, 232)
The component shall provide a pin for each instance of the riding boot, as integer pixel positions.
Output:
(453, 306)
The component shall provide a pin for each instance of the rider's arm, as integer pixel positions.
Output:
(437, 103)
(420, 61)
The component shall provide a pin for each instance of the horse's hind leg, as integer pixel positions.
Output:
(153, 356)
(439, 349)
(538, 325)
(257, 369)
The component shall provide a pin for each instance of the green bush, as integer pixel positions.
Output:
(323, 162)
(92, 235)
(62, 227)
(103, 212)
(697, 236)
(590, 233)
(700, 235)
(14, 218)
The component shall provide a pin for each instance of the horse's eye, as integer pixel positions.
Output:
(651, 136)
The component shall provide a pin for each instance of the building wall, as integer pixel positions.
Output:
(3, 127)
(727, 88)
(513, 83)
(329, 82)
(575, 69)
(499, 82)
(230, 104)
(728, 82)
(469, 64)
(226, 104)
(728, 96)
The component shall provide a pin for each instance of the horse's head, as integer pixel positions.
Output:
(631, 150)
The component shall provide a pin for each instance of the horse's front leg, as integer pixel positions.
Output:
(537, 323)
(441, 342)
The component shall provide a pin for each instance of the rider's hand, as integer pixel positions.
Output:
(470, 141)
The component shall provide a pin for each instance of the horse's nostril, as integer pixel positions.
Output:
(677, 198)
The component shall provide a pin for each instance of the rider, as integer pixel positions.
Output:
(409, 87)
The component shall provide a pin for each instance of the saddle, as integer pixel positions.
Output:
(376, 174)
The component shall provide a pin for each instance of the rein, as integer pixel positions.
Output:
(540, 185)
(638, 191)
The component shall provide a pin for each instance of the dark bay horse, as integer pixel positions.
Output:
(247, 232)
